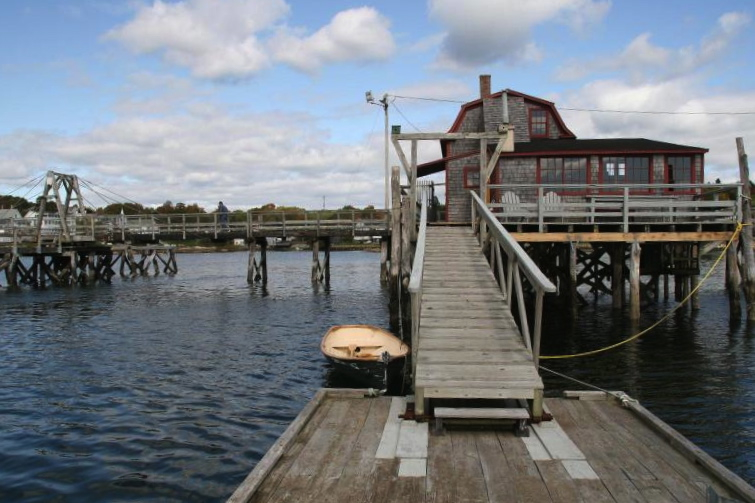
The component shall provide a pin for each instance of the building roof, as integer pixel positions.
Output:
(603, 146)
(567, 146)
(466, 107)
(9, 213)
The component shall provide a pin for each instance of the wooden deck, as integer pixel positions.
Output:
(347, 448)
(469, 346)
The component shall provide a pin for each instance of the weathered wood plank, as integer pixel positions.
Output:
(359, 480)
(498, 480)
(452, 357)
(481, 413)
(471, 480)
(528, 483)
(441, 474)
(493, 372)
(468, 333)
(561, 487)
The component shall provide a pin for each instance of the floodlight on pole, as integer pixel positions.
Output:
(383, 103)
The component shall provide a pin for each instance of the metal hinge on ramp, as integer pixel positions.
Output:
(520, 415)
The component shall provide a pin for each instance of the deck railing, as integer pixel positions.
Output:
(616, 204)
(509, 261)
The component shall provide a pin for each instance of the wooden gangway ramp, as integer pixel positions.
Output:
(469, 345)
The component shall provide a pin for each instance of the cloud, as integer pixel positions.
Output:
(682, 95)
(642, 60)
(482, 32)
(241, 38)
(360, 35)
(204, 155)
(215, 42)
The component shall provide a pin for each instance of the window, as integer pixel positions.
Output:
(538, 123)
(679, 170)
(626, 169)
(471, 178)
(563, 170)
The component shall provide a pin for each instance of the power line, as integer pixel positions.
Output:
(427, 99)
(596, 110)
(405, 118)
(651, 112)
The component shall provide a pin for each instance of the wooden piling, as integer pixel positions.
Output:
(384, 248)
(573, 283)
(634, 281)
(694, 281)
(748, 256)
(395, 259)
(316, 267)
(326, 263)
(617, 275)
(733, 282)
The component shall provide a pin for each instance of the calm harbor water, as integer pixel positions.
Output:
(172, 388)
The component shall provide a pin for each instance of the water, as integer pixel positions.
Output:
(172, 388)
(166, 388)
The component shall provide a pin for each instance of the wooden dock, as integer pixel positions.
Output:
(345, 447)
(469, 344)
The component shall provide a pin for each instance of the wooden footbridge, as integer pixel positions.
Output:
(70, 245)
(467, 346)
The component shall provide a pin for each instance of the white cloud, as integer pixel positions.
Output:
(214, 41)
(715, 132)
(203, 157)
(361, 35)
(481, 32)
(240, 38)
(642, 60)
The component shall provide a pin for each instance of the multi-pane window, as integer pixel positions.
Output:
(679, 169)
(471, 178)
(563, 170)
(538, 123)
(626, 169)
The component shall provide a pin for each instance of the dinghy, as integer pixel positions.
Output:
(363, 351)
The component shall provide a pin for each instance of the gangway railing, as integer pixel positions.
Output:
(509, 261)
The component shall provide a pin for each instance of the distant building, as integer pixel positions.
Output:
(9, 214)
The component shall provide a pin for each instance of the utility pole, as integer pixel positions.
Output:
(383, 103)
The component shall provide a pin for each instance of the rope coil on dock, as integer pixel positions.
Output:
(734, 236)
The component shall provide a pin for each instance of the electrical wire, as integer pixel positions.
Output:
(405, 118)
(651, 112)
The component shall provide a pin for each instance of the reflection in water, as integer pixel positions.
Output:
(172, 388)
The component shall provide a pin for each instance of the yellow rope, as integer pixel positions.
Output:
(651, 327)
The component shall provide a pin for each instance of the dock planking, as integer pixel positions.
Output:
(593, 451)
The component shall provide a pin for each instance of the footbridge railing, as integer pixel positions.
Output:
(509, 262)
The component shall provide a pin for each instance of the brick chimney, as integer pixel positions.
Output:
(484, 86)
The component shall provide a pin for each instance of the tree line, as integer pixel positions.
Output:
(168, 207)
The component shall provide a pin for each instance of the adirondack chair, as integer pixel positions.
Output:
(511, 207)
(552, 206)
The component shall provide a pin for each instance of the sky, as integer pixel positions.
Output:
(263, 101)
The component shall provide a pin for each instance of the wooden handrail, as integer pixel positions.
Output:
(517, 260)
(415, 282)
